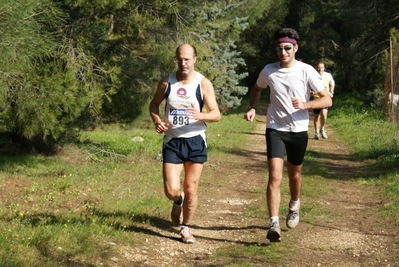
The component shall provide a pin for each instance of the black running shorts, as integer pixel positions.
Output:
(278, 142)
(179, 150)
(317, 111)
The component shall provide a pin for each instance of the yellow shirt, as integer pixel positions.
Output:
(327, 81)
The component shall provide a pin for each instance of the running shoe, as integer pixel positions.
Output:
(177, 213)
(186, 235)
(292, 219)
(274, 232)
(323, 134)
(316, 136)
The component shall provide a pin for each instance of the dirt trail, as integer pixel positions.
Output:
(351, 233)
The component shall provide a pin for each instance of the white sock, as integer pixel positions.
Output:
(294, 205)
(274, 219)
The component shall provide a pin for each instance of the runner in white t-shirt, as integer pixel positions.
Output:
(320, 115)
(290, 82)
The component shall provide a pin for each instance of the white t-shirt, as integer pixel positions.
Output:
(285, 83)
(179, 97)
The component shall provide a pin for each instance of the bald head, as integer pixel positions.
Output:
(186, 49)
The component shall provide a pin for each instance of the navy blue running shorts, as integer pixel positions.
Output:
(278, 142)
(179, 150)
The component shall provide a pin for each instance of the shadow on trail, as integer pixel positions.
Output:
(346, 166)
(165, 228)
(228, 228)
(159, 227)
(333, 166)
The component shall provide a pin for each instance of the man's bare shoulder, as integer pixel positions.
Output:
(206, 84)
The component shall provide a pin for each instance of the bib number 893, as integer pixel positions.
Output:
(180, 120)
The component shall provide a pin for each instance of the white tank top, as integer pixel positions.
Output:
(179, 97)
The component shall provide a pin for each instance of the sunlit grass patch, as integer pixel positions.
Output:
(372, 138)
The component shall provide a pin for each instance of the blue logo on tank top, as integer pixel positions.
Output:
(178, 112)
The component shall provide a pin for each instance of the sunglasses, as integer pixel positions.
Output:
(286, 48)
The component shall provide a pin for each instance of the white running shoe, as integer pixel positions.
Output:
(186, 235)
(323, 134)
(292, 219)
(274, 232)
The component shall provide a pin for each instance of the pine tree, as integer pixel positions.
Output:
(47, 82)
(215, 31)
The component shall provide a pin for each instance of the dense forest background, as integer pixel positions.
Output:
(72, 64)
